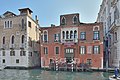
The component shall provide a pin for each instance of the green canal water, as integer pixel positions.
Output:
(37, 74)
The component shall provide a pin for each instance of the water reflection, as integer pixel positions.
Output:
(37, 74)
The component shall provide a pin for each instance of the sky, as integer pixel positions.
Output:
(49, 11)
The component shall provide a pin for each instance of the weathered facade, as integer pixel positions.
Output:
(19, 44)
(72, 41)
(109, 14)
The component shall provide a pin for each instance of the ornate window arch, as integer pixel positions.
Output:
(12, 39)
(22, 39)
(75, 34)
(63, 34)
(71, 34)
(63, 20)
(3, 40)
(75, 19)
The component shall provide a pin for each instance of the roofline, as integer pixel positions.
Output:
(26, 8)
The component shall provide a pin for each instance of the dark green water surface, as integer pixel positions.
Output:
(37, 74)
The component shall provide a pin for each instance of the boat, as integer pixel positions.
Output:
(113, 77)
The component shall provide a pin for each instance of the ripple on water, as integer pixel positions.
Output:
(37, 74)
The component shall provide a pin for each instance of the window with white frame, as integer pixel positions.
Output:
(82, 49)
(96, 35)
(45, 50)
(57, 50)
(22, 53)
(96, 49)
(12, 53)
(45, 39)
(56, 37)
(83, 35)
(68, 50)
(71, 34)
(8, 24)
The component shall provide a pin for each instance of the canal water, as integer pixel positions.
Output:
(37, 74)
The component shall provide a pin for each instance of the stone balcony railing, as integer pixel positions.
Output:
(69, 40)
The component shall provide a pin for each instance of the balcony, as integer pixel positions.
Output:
(69, 40)
(117, 22)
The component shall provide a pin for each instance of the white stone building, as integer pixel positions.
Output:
(109, 14)
(19, 43)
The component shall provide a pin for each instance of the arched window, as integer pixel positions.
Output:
(67, 35)
(63, 20)
(5, 24)
(22, 40)
(75, 19)
(63, 34)
(8, 24)
(45, 36)
(71, 34)
(12, 40)
(22, 23)
(3, 40)
(75, 34)
(115, 36)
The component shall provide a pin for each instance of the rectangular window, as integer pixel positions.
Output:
(69, 51)
(89, 61)
(3, 53)
(57, 50)
(57, 37)
(45, 50)
(10, 24)
(83, 35)
(45, 37)
(82, 49)
(3, 61)
(12, 53)
(17, 60)
(29, 23)
(96, 49)
(96, 35)
(22, 53)
(5, 25)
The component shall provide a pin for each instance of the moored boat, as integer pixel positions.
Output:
(114, 78)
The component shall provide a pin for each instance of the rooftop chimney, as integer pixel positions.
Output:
(36, 19)
(26, 11)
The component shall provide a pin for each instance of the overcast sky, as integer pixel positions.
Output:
(49, 11)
